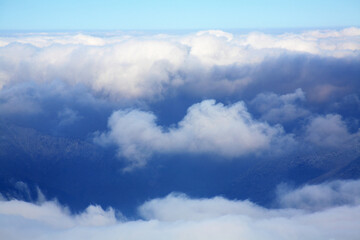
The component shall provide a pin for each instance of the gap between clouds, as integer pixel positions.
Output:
(177, 216)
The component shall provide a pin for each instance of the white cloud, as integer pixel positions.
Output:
(53, 214)
(347, 32)
(179, 217)
(330, 131)
(125, 70)
(44, 39)
(322, 196)
(178, 207)
(217, 33)
(228, 131)
(320, 42)
(139, 66)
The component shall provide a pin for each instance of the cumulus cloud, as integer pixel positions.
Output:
(330, 131)
(208, 127)
(274, 108)
(141, 66)
(128, 70)
(178, 216)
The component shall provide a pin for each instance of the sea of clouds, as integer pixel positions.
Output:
(243, 88)
(235, 95)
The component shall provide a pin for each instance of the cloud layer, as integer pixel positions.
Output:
(179, 217)
(129, 66)
(231, 101)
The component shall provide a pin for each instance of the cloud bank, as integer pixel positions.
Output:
(130, 67)
(177, 216)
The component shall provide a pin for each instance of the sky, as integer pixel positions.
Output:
(173, 15)
(178, 120)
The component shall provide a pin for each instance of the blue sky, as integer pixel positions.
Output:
(160, 14)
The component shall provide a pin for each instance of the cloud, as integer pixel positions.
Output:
(180, 217)
(326, 42)
(179, 207)
(68, 116)
(330, 131)
(126, 70)
(321, 196)
(274, 108)
(43, 40)
(19, 99)
(130, 67)
(208, 127)
(53, 214)
(55, 108)
(65, 81)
